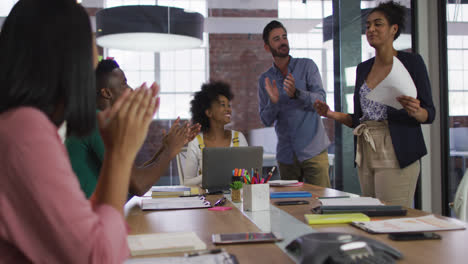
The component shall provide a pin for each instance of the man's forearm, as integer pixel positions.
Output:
(144, 177)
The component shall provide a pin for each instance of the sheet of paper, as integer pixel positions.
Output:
(415, 224)
(164, 243)
(398, 82)
(351, 201)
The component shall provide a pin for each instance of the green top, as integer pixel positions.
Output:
(86, 156)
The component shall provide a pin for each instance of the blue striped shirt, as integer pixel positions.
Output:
(299, 128)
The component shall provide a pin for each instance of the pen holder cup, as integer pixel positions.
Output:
(236, 195)
(256, 197)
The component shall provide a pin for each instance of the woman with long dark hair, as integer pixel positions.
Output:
(47, 77)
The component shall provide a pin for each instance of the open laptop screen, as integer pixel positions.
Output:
(218, 164)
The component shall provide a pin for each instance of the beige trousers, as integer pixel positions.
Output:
(379, 172)
(313, 171)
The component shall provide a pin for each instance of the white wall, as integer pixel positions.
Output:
(427, 35)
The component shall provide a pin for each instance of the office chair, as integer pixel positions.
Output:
(180, 158)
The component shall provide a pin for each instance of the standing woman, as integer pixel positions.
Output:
(389, 142)
(47, 77)
(211, 108)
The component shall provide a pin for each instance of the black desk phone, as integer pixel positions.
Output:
(341, 248)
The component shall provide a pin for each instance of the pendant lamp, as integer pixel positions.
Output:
(148, 28)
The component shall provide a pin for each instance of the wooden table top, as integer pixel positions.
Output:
(451, 249)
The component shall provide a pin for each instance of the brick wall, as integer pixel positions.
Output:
(239, 59)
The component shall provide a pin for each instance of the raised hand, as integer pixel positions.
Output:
(192, 132)
(322, 108)
(174, 140)
(289, 85)
(124, 126)
(272, 90)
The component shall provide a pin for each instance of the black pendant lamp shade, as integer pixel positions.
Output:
(148, 28)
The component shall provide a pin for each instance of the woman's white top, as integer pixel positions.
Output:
(193, 163)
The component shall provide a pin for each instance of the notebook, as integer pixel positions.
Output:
(164, 243)
(218, 164)
(314, 219)
(220, 258)
(173, 191)
(410, 224)
(290, 194)
(350, 201)
(174, 203)
(285, 183)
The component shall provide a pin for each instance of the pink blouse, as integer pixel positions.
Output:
(44, 215)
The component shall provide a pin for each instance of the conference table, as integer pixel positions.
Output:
(289, 221)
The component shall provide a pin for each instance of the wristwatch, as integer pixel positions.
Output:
(297, 93)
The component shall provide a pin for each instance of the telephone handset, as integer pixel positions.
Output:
(335, 248)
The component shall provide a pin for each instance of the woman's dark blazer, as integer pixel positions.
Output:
(405, 131)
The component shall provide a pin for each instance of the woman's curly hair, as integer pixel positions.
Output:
(203, 99)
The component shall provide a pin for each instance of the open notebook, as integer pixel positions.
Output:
(164, 243)
(409, 224)
(174, 203)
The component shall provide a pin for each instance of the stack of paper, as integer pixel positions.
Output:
(174, 203)
(164, 243)
(414, 224)
(314, 219)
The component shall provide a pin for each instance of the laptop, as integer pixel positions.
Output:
(218, 164)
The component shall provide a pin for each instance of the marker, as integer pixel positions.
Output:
(270, 174)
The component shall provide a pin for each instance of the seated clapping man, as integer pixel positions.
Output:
(86, 154)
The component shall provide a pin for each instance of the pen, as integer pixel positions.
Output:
(212, 251)
(332, 197)
(270, 174)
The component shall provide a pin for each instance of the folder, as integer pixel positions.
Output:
(369, 210)
(315, 219)
(290, 194)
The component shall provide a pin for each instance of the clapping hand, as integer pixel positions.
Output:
(272, 90)
(289, 85)
(179, 135)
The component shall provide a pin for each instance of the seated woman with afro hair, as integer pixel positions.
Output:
(211, 108)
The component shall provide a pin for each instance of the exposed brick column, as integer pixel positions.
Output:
(239, 59)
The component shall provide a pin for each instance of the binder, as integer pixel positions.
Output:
(369, 210)
(290, 194)
(314, 219)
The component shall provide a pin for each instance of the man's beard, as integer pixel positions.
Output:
(277, 53)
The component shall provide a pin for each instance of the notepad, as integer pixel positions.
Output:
(290, 194)
(173, 191)
(285, 183)
(410, 224)
(315, 219)
(174, 203)
(164, 243)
